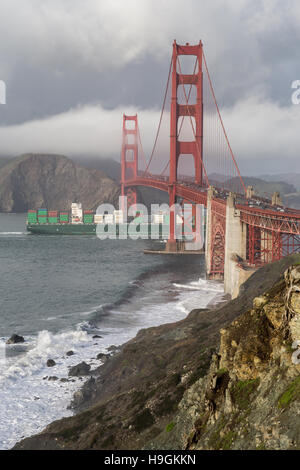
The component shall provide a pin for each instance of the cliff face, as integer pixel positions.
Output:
(178, 386)
(250, 399)
(54, 182)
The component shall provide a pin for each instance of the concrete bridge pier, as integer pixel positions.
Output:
(208, 234)
(235, 270)
(234, 248)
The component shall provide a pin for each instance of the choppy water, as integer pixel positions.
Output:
(59, 291)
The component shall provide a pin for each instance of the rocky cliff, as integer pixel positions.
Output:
(223, 378)
(250, 399)
(52, 181)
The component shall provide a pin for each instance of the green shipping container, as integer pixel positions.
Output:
(43, 220)
(52, 220)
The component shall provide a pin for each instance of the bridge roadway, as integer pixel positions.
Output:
(255, 211)
(241, 233)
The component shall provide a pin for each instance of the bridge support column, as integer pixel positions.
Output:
(235, 248)
(171, 245)
(266, 246)
(129, 158)
(208, 232)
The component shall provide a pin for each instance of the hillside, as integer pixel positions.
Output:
(266, 188)
(291, 178)
(4, 161)
(177, 386)
(292, 200)
(109, 166)
(52, 181)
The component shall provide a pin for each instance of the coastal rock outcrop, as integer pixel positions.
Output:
(250, 399)
(80, 370)
(15, 339)
(53, 181)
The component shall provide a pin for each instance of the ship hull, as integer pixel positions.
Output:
(119, 231)
(62, 229)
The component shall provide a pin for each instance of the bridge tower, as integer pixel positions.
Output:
(129, 157)
(180, 149)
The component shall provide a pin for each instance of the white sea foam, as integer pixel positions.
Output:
(13, 233)
(28, 402)
(198, 294)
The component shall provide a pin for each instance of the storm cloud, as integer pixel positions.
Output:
(73, 67)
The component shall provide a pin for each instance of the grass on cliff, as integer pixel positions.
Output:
(291, 394)
(242, 392)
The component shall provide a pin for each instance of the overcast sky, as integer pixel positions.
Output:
(72, 67)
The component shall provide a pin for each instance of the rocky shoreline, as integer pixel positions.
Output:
(177, 386)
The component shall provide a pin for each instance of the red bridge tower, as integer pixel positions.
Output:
(179, 149)
(129, 157)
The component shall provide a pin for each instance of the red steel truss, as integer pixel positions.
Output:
(271, 233)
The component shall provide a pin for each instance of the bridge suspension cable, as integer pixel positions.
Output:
(160, 120)
(141, 147)
(222, 124)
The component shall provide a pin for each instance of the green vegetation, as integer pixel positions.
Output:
(290, 395)
(242, 391)
(261, 446)
(224, 441)
(170, 426)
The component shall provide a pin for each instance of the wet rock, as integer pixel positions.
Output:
(84, 394)
(70, 353)
(64, 380)
(103, 357)
(15, 339)
(51, 363)
(96, 336)
(53, 378)
(79, 370)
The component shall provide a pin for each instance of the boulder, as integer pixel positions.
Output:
(51, 363)
(79, 370)
(103, 357)
(15, 339)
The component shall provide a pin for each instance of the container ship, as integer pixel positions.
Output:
(84, 222)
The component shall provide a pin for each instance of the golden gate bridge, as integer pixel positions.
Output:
(199, 166)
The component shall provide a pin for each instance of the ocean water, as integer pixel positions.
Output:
(60, 291)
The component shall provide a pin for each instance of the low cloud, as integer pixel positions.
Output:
(88, 130)
(262, 129)
(257, 129)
